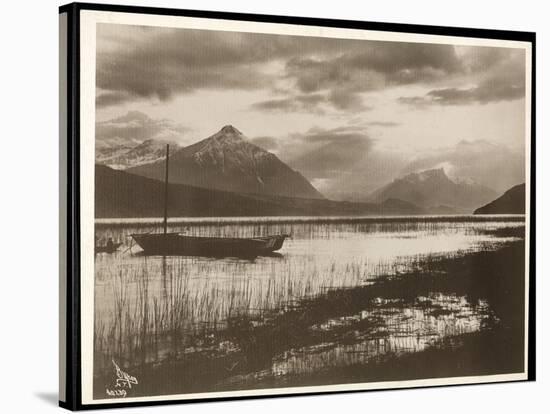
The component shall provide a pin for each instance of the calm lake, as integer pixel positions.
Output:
(154, 310)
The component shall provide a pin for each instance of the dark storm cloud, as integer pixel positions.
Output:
(312, 75)
(483, 94)
(341, 100)
(503, 80)
(492, 90)
(162, 62)
(337, 134)
(333, 158)
(322, 153)
(346, 100)
(166, 62)
(386, 124)
(375, 65)
(105, 99)
(300, 103)
(343, 160)
(338, 160)
(400, 59)
(319, 152)
(481, 58)
(417, 102)
(137, 126)
(159, 63)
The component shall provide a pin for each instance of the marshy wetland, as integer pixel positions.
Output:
(346, 300)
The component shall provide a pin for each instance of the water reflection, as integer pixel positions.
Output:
(397, 330)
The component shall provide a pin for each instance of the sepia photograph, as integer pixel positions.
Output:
(281, 207)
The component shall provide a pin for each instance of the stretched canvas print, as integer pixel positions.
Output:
(260, 206)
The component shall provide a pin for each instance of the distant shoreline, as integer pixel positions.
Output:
(202, 221)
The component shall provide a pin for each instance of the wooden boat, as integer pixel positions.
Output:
(176, 244)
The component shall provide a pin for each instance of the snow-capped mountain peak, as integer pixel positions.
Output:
(146, 152)
(433, 187)
(228, 161)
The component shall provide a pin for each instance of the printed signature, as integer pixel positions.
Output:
(123, 381)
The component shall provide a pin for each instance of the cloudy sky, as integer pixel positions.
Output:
(349, 114)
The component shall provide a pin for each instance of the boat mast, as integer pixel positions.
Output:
(166, 191)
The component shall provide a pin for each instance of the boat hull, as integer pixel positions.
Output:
(175, 244)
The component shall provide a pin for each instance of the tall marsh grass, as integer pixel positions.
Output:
(154, 316)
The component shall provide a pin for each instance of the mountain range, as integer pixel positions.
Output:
(434, 191)
(490, 164)
(247, 180)
(127, 154)
(121, 194)
(108, 149)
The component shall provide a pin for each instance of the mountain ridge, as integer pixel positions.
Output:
(121, 194)
(145, 152)
(433, 188)
(511, 202)
(227, 161)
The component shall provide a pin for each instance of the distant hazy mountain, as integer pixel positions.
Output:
(511, 202)
(227, 161)
(490, 164)
(432, 189)
(120, 194)
(145, 152)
